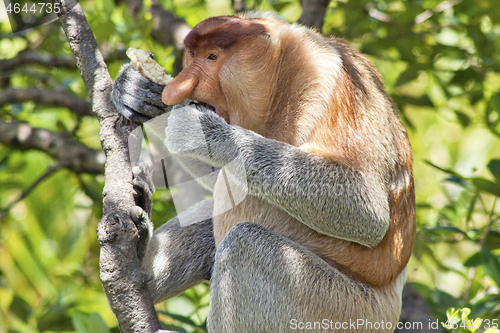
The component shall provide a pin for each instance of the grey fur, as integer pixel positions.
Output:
(262, 282)
(319, 193)
(180, 257)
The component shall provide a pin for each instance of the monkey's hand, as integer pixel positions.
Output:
(141, 214)
(136, 97)
(193, 131)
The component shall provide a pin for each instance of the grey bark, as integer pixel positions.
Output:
(121, 275)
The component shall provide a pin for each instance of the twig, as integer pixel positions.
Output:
(52, 169)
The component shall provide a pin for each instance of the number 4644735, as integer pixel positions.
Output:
(36, 8)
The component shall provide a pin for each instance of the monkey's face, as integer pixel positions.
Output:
(223, 69)
(199, 80)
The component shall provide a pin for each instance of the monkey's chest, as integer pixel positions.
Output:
(232, 205)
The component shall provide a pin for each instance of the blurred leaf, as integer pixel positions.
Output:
(470, 209)
(492, 265)
(278, 6)
(105, 7)
(97, 324)
(492, 241)
(463, 118)
(103, 29)
(448, 37)
(486, 186)
(80, 322)
(464, 76)
(442, 301)
(449, 171)
(494, 167)
(20, 308)
(486, 305)
(184, 320)
(436, 94)
(55, 319)
(444, 230)
(475, 260)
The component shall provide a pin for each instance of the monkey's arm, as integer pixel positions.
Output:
(181, 254)
(330, 198)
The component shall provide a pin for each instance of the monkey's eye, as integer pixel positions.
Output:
(212, 56)
(191, 53)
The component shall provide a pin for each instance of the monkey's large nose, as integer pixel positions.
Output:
(180, 88)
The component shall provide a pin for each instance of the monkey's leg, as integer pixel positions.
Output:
(264, 282)
(181, 252)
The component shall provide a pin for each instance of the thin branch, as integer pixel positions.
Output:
(52, 169)
(313, 13)
(29, 57)
(50, 97)
(68, 152)
(121, 275)
(167, 28)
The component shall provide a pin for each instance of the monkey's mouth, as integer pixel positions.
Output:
(205, 105)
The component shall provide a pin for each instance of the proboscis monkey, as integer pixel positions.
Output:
(327, 227)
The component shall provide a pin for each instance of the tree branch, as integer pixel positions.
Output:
(49, 97)
(29, 57)
(121, 275)
(167, 28)
(68, 152)
(313, 13)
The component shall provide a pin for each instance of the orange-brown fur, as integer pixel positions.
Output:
(279, 92)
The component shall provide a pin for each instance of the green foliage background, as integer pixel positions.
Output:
(440, 61)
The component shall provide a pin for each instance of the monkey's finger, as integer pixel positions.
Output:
(142, 173)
